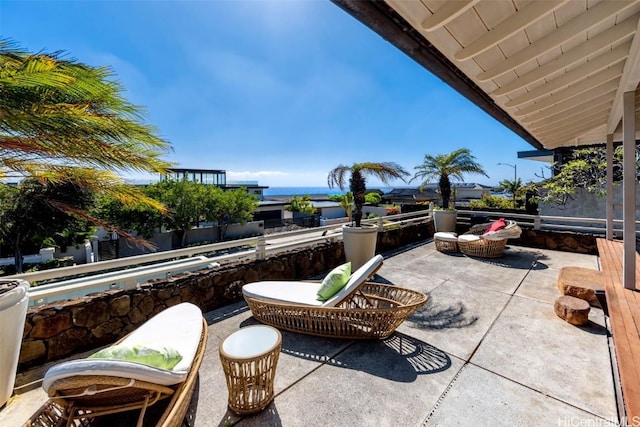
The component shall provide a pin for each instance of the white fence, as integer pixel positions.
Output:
(45, 254)
(249, 248)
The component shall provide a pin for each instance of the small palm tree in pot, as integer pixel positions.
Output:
(360, 242)
(444, 168)
(385, 172)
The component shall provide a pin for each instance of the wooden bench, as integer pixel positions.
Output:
(623, 306)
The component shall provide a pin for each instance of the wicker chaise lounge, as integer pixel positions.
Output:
(361, 310)
(477, 243)
(81, 391)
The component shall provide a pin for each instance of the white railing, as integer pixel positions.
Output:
(129, 275)
(549, 222)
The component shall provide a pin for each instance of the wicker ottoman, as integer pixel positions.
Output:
(249, 358)
(446, 242)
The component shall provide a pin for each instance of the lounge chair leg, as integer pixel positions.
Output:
(142, 411)
(68, 414)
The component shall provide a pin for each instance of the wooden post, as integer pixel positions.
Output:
(609, 234)
(629, 189)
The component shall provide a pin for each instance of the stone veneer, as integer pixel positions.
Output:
(60, 329)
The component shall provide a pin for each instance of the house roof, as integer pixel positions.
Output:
(552, 71)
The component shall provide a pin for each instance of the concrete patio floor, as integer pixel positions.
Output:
(486, 349)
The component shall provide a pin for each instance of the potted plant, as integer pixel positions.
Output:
(360, 241)
(14, 301)
(445, 219)
(445, 167)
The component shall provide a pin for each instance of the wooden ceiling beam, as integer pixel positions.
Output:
(570, 126)
(596, 44)
(576, 111)
(607, 88)
(629, 81)
(562, 34)
(449, 11)
(508, 27)
(594, 66)
(576, 132)
(572, 91)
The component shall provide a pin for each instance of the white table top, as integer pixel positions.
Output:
(251, 341)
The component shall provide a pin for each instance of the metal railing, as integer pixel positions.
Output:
(553, 223)
(255, 248)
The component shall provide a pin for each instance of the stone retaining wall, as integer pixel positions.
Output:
(558, 241)
(60, 329)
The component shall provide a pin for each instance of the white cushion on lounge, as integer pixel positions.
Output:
(305, 293)
(468, 238)
(290, 292)
(179, 326)
(445, 236)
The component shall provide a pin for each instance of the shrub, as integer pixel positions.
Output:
(393, 210)
(489, 201)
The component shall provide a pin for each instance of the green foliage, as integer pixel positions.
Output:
(444, 168)
(230, 207)
(139, 217)
(373, 198)
(357, 172)
(514, 187)
(490, 201)
(586, 169)
(346, 202)
(35, 212)
(301, 204)
(67, 123)
(188, 203)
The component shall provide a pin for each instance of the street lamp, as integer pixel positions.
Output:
(515, 170)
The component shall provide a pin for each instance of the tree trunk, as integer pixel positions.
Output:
(17, 255)
(445, 190)
(183, 241)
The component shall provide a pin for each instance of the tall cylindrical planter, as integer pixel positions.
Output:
(359, 244)
(14, 300)
(445, 220)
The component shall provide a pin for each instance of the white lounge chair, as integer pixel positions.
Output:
(360, 310)
(81, 390)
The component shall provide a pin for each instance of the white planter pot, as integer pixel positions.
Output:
(359, 244)
(13, 312)
(445, 220)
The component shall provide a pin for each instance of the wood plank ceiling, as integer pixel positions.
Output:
(557, 67)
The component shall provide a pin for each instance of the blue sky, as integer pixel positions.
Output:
(275, 91)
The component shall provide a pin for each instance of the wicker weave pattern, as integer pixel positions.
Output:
(60, 411)
(250, 381)
(374, 312)
(482, 248)
(446, 246)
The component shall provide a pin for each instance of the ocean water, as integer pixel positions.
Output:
(291, 191)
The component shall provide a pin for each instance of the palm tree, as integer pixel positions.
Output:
(384, 171)
(445, 167)
(512, 186)
(63, 121)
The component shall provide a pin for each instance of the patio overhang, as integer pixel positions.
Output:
(558, 73)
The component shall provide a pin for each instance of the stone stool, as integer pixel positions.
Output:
(581, 283)
(446, 242)
(573, 310)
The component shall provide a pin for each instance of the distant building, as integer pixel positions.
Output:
(461, 192)
(217, 177)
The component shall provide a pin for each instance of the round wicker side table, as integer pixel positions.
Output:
(249, 358)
